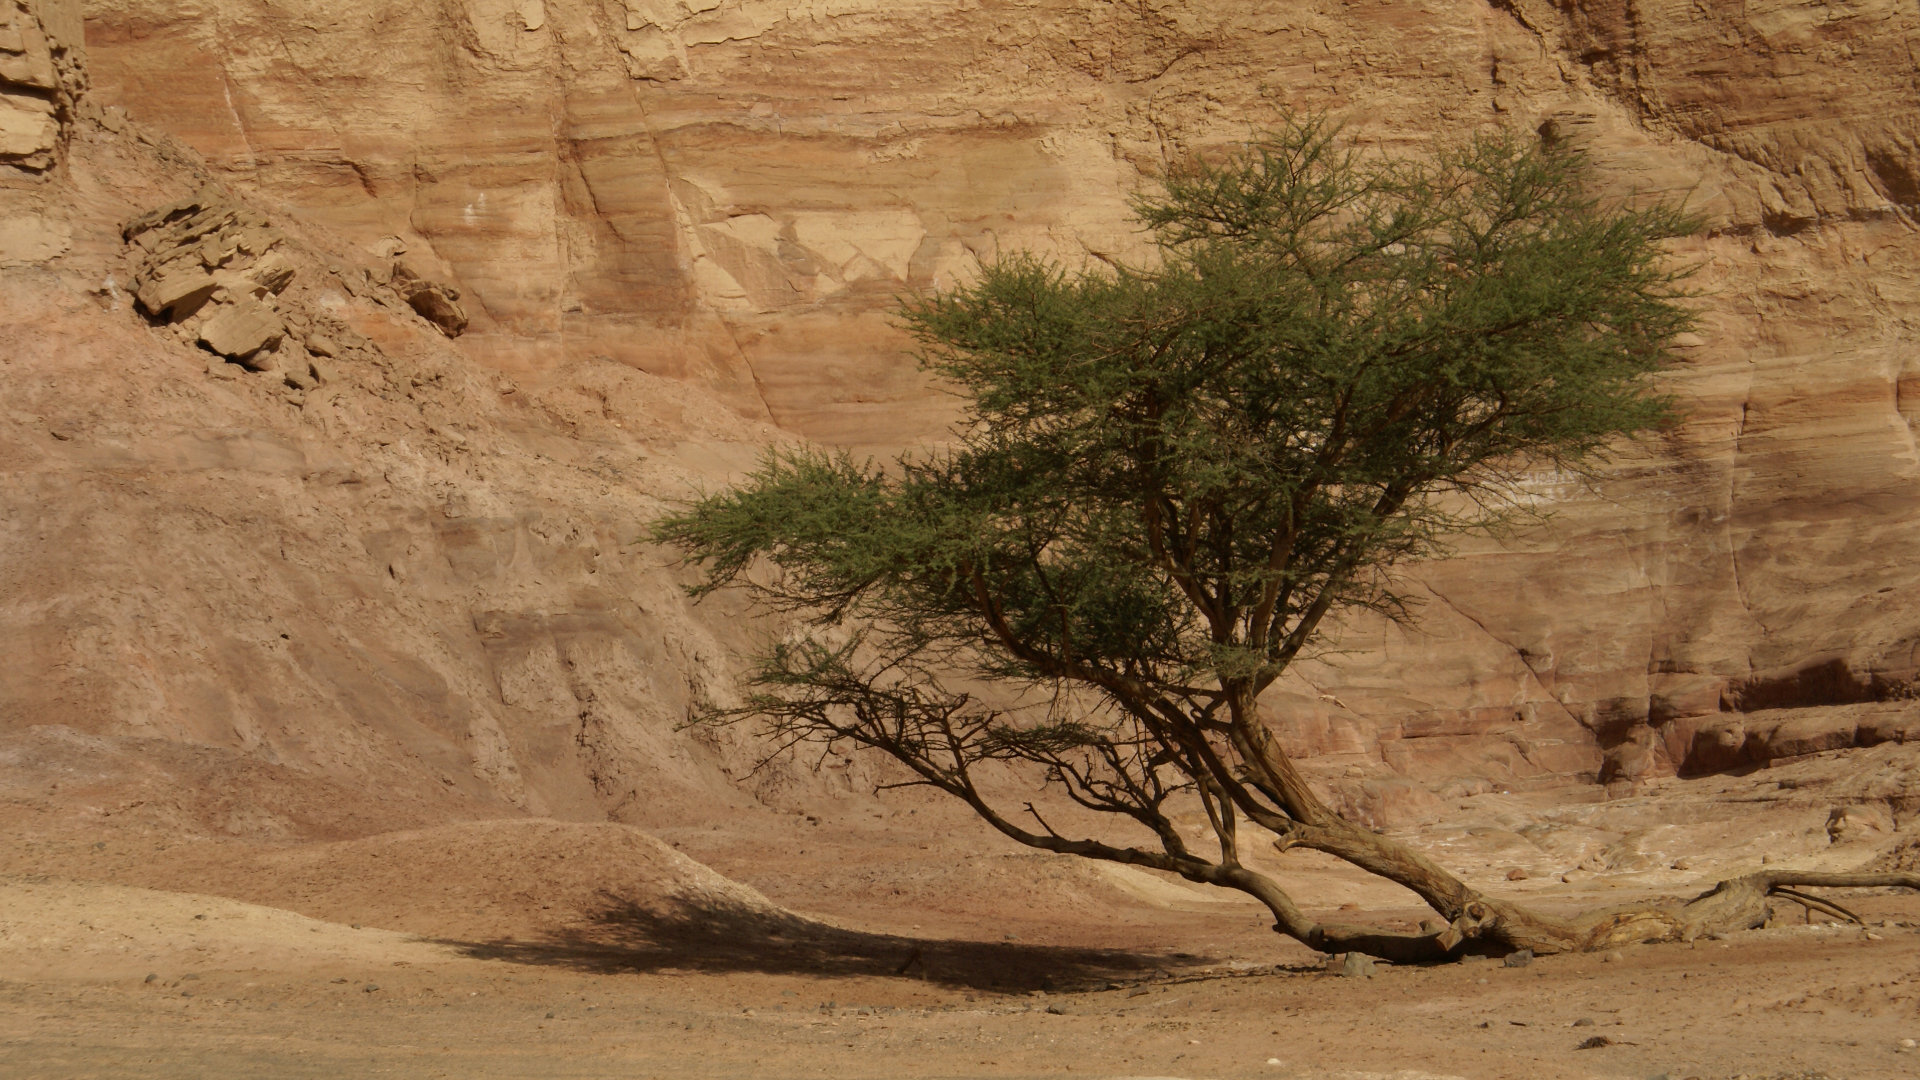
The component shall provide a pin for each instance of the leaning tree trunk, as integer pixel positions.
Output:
(1482, 925)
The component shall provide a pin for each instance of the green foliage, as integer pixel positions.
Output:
(1170, 474)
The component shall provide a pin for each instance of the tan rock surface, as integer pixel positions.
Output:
(242, 330)
(367, 590)
(730, 196)
(41, 78)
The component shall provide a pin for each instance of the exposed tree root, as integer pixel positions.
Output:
(1493, 927)
(1477, 924)
(1815, 903)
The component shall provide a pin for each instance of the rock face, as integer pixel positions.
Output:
(41, 76)
(663, 223)
(351, 583)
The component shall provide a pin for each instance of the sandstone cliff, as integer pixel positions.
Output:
(403, 562)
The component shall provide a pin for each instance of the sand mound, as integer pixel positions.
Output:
(51, 927)
(475, 881)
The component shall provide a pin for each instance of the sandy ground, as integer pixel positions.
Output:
(240, 991)
(895, 941)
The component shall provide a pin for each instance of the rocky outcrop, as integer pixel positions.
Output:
(41, 78)
(218, 273)
(202, 248)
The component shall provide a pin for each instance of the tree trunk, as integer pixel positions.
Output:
(1478, 924)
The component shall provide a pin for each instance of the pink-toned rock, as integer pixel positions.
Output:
(1807, 731)
(723, 206)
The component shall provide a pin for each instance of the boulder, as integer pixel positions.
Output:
(174, 293)
(438, 304)
(1847, 824)
(272, 272)
(243, 330)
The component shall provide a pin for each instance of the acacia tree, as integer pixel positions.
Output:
(1170, 476)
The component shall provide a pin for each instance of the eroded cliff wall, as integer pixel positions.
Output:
(677, 227)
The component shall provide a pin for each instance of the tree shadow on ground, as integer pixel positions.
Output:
(719, 937)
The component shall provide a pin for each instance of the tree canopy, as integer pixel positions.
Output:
(1171, 474)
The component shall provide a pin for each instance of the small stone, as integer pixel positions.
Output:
(1517, 874)
(1057, 1010)
(1613, 956)
(1683, 864)
(549, 1016)
(1594, 1042)
(1519, 959)
(369, 988)
(151, 978)
(322, 345)
(1138, 991)
(1274, 1061)
(1356, 966)
(1908, 1044)
(1585, 1021)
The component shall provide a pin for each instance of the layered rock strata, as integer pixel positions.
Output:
(277, 561)
(720, 200)
(42, 74)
